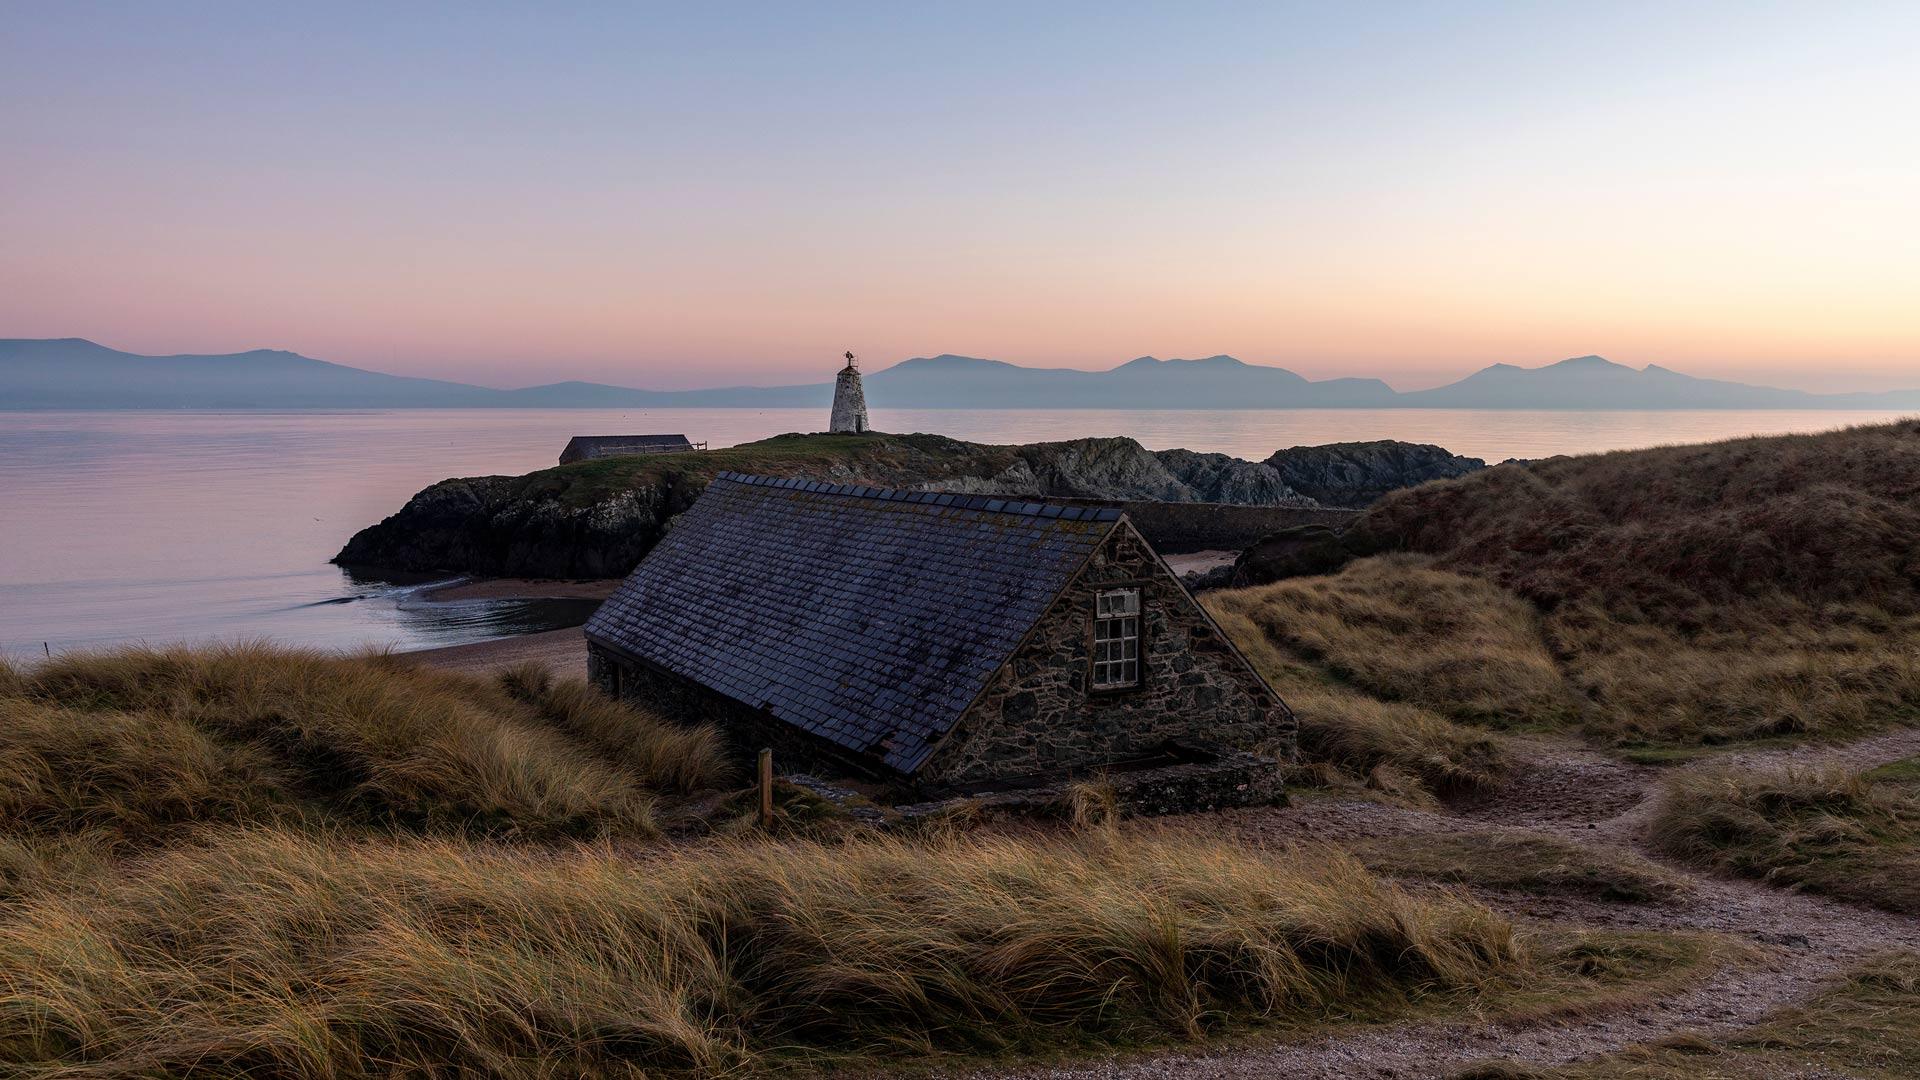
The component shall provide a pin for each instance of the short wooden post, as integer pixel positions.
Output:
(766, 789)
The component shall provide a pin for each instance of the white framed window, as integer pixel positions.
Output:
(1116, 639)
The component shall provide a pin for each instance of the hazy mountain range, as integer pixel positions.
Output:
(72, 373)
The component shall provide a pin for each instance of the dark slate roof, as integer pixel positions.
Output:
(592, 446)
(870, 618)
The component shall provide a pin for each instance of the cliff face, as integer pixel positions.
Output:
(597, 518)
(484, 525)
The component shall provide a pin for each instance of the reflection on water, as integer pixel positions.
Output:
(171, 526)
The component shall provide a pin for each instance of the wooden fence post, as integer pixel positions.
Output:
(766, 789)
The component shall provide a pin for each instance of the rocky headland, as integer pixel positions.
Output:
(596, 519)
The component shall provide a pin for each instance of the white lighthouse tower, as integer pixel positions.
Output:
(849, 401)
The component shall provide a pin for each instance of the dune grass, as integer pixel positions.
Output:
(1765, 671)
(1675, 534)
(1398, 630)
(129, 745)
(1866, 1026)
(1845, 834)
(1349, 738)
(275, 952)
(1518, 862)
(1401, 631)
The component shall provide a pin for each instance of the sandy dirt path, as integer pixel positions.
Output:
(1573, 794)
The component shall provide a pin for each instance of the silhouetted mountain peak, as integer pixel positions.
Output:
(1586, 363)
(1221, 360)
(77, 373)
(947, 362)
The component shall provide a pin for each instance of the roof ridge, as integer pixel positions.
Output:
(988, 503)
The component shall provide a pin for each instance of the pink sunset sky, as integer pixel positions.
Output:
(682, 196)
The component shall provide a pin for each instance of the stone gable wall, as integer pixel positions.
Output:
(1037, 715)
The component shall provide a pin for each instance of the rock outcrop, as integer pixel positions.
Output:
(486, 526)
(1303, 550)
(1223, 479)
(596, 519)
(1357, 474)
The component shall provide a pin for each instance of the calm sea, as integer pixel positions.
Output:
(161, 527)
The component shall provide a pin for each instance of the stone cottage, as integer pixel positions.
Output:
(590, 447)
(939, 642)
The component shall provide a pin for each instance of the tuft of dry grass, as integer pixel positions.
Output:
(1827, 830)
(1521, 862)
(138, 742)
(276, 952)
(1093, 804)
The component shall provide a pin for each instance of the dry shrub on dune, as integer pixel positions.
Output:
(285, 953)
(138, 741)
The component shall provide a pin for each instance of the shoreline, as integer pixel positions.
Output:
(562, 651)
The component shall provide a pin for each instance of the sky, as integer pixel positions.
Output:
(687, 195)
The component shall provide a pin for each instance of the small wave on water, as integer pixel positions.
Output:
(377, 589)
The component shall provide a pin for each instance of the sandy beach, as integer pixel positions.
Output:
(564, 652)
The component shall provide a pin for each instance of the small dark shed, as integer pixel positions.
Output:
(943, 640)
(588, 447)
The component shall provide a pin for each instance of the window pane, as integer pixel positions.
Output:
(1116, 638)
